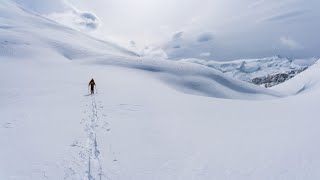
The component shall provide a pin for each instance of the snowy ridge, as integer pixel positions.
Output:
(275, 79)
(249, 69)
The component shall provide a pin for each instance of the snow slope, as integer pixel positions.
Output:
(139, 126)
(307, 81)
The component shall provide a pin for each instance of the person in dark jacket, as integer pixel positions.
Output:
(92, 84)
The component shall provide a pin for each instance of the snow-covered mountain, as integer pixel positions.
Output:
(268, 71)
(277, 78)
(147, 120)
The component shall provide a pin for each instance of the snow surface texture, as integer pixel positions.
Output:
(138, 126)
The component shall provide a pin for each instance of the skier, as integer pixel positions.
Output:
(92, 84)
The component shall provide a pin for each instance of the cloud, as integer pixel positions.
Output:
(132, 43)
(83, 21)
(184, 44)
(286, 16)
(205, 54)
(289, 43)
(256, 3)
(177, 35)
(205, 37)
(63, 12)
(242, 29)
(176, 40)
(43, 6)
(154, 52)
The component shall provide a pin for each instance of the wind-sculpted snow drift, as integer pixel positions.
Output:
(138, 126)
(192, 78)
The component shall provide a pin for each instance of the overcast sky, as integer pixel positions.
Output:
(209, 29)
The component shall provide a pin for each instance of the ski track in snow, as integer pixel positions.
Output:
(94, 162)
(87, 163)
(88, 159)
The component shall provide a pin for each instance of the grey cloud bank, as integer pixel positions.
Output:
(206, 29)
(63, 12)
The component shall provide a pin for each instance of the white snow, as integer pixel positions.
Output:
(306, 82)
(146, 121)
(248, 69)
